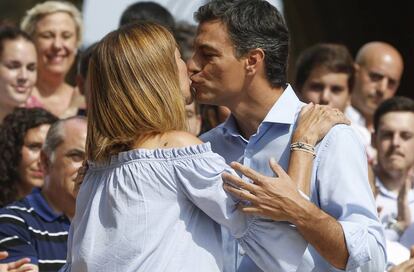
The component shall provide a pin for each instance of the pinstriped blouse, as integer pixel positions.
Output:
(161, 210)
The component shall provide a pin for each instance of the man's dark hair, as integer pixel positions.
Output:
(253, 24)
(394, 104)
(334, 58)
(12, 133)
(148, 12)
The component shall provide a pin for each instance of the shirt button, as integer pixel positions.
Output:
(241, 251)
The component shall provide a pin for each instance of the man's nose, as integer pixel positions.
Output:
(396, 139)
(192, 66)
(325, 97)
(383, 85)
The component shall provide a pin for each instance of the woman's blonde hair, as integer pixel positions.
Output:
(36, 13)
(134, 89)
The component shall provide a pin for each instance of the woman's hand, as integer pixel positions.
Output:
(315, 121)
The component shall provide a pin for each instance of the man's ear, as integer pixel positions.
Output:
(44, 162)
(254, 60)
(357, 67)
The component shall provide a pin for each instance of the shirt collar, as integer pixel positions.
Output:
(283, 112)
(355, 116)
(383, 190)
(390, 194)
(285, 109)
(41, 207)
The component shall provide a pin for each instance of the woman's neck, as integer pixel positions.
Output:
(48, 85)
(23, 190)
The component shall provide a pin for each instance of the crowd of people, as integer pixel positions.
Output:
(184, 148)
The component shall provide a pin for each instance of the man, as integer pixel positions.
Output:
(240, 62)
(394, 140)
(37, 226)
(379, 67)
(325, 75)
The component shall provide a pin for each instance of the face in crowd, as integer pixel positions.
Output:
(17, 72)
(31, 173)
(61, 167)
(394, 141)
(56, 42)
(327, 88)
(378, 73)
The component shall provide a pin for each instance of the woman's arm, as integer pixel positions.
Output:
(314, 123)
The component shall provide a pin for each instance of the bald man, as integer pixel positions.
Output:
(379, 67)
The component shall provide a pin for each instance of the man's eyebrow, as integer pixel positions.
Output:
(75, 151)
(208, 47)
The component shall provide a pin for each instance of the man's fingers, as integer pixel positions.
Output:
(238, 182)
(19, 263)
(3, 255)
(239, 194)
(277, 169)
(249, 209)
(248, 172)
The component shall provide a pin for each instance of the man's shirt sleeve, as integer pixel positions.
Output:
(343, 191)
(15, 237)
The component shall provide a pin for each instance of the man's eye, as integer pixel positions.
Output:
(375, 76)
(208, 55)
(316, 87)
(337, 89)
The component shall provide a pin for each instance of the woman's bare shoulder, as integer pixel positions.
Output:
(180, 139)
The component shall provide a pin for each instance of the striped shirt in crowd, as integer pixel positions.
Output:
(30, 228)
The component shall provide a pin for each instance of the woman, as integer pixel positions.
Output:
(17, 69)
(56, 29)
(21, 138)
(153, 195)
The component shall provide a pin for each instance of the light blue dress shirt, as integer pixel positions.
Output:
(160, 210)
(339, 184)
